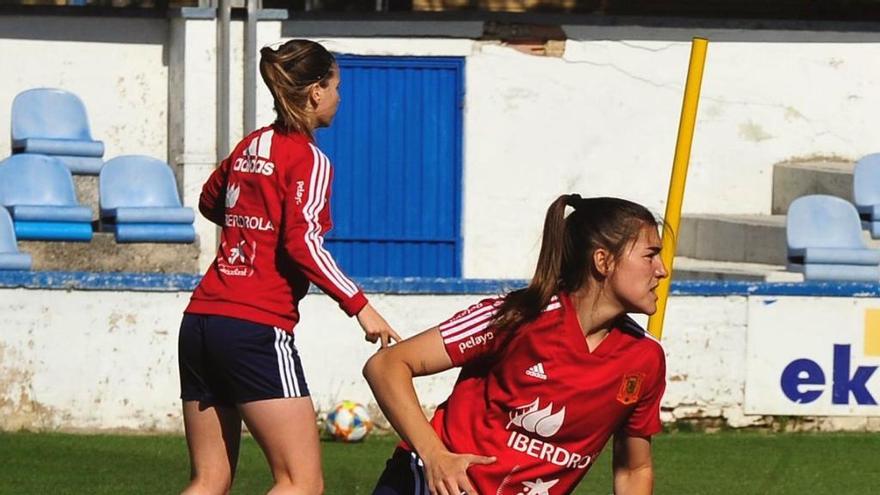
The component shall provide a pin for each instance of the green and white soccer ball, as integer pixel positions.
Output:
(348, 422)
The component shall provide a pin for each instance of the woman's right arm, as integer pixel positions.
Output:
(389, 373)
(305, 196)
(212, 201)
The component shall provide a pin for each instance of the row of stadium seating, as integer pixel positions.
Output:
(824, 233)
(138, 203)
(51, 141)
(138, 200)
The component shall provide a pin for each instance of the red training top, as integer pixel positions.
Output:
(272, 198)
(540, 401)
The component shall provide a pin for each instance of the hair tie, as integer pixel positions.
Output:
(573, 200)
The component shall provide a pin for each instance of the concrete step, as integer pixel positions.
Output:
(739, 238)
(696, 269)
(734, 238)
(792, 180)
(104, 254)
(759, 239)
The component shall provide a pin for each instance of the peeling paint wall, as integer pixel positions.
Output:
(705, 343)
(89, 360)
(602, 119)
(108, 360)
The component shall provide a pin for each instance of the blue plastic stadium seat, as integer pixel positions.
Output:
(10, 257)
(825, 241)
(54, 122)
(866, 192)
(38, 191)
(139, 201)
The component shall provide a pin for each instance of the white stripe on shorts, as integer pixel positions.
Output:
(420, 485)
(291, 364)
(282, 369)
(286, 363)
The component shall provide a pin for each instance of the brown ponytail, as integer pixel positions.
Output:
(289, 73)
(565, 262)
(525, 304)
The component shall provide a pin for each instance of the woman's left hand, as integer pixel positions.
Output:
(375, 327)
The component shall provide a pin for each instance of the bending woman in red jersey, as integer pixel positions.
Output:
(236, 353)
(549, 373)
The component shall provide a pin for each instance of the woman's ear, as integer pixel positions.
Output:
(315, 94)
(602, 261)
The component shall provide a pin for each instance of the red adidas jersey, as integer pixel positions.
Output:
(539, 401)
(272, 198)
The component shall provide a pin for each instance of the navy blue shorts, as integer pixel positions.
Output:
(404, 475)
(226, 361)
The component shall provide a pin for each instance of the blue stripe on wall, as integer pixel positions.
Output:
(156, 282)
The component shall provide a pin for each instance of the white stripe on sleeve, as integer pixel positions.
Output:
(454, 326)
(318, 184)
(320, 240)
(467, 333)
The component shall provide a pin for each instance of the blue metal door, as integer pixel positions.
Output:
(396, 151)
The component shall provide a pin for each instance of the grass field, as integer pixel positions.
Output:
(686, 463)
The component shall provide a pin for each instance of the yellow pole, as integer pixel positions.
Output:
(679, 175)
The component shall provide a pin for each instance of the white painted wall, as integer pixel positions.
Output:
(600, 120)
(107, 360)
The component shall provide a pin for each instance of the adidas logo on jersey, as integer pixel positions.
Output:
(537, 371)
(253, 165)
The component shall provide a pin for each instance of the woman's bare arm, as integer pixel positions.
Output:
(632, 465)
(389, 373)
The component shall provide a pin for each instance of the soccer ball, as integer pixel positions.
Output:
(348, 422)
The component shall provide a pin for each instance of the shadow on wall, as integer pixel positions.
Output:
(85, 28)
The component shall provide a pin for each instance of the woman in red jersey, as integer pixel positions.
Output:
(236, 353)
(549, 373)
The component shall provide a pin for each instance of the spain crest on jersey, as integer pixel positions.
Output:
(630, 388)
